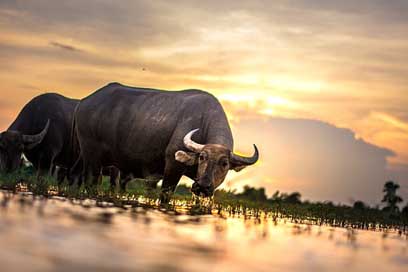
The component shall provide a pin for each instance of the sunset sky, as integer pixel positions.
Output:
(320, 86)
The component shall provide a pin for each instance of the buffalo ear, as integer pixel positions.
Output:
(188, 158)
(237, 167)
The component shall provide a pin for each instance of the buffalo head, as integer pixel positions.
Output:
(213, 162)
(14, 143)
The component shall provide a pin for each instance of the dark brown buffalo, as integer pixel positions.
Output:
(43, 132)
(157, 134)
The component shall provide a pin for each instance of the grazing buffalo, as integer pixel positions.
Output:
(42, 132)
(157, 134)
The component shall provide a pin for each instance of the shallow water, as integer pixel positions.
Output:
(56, 234)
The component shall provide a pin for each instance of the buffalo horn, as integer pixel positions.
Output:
(190, 144)
(245, 160)
(36, 138)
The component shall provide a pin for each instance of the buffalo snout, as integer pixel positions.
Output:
(202, 190)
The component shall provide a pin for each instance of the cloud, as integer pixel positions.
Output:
(64, 46)
(321, 161)
(232, 39)
(391, 120)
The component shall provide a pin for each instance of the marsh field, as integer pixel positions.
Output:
(44, 227)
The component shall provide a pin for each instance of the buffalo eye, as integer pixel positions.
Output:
(224, 163)
(202, 156)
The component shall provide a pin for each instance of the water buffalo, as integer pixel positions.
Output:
(157, 134)
(42, 132)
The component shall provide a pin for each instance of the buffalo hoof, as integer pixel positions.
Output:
(123, 186)
(165, 198)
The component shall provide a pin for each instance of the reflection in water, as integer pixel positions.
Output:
(40, 234)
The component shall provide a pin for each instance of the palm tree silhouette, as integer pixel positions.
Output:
(391, 197)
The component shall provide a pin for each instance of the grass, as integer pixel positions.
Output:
(251, 203)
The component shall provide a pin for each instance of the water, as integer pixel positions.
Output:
(55, 234)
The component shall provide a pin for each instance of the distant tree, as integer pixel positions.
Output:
(276, 196)
(390, 197)
(328, 203)
(253, 194)
(359, 205)
(293, 198)
(404, 211)
(404, 215)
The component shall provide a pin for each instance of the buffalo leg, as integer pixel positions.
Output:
(92, 174)
(124, 180)
(52, 166)
(75, 173)
(43, 167)
(61, 174)
(171, 178)
(114, 177)
(113, 173)
(54, 170)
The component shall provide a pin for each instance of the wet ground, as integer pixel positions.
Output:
(38, 234)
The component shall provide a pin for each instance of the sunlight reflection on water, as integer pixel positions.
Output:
(55, 234)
